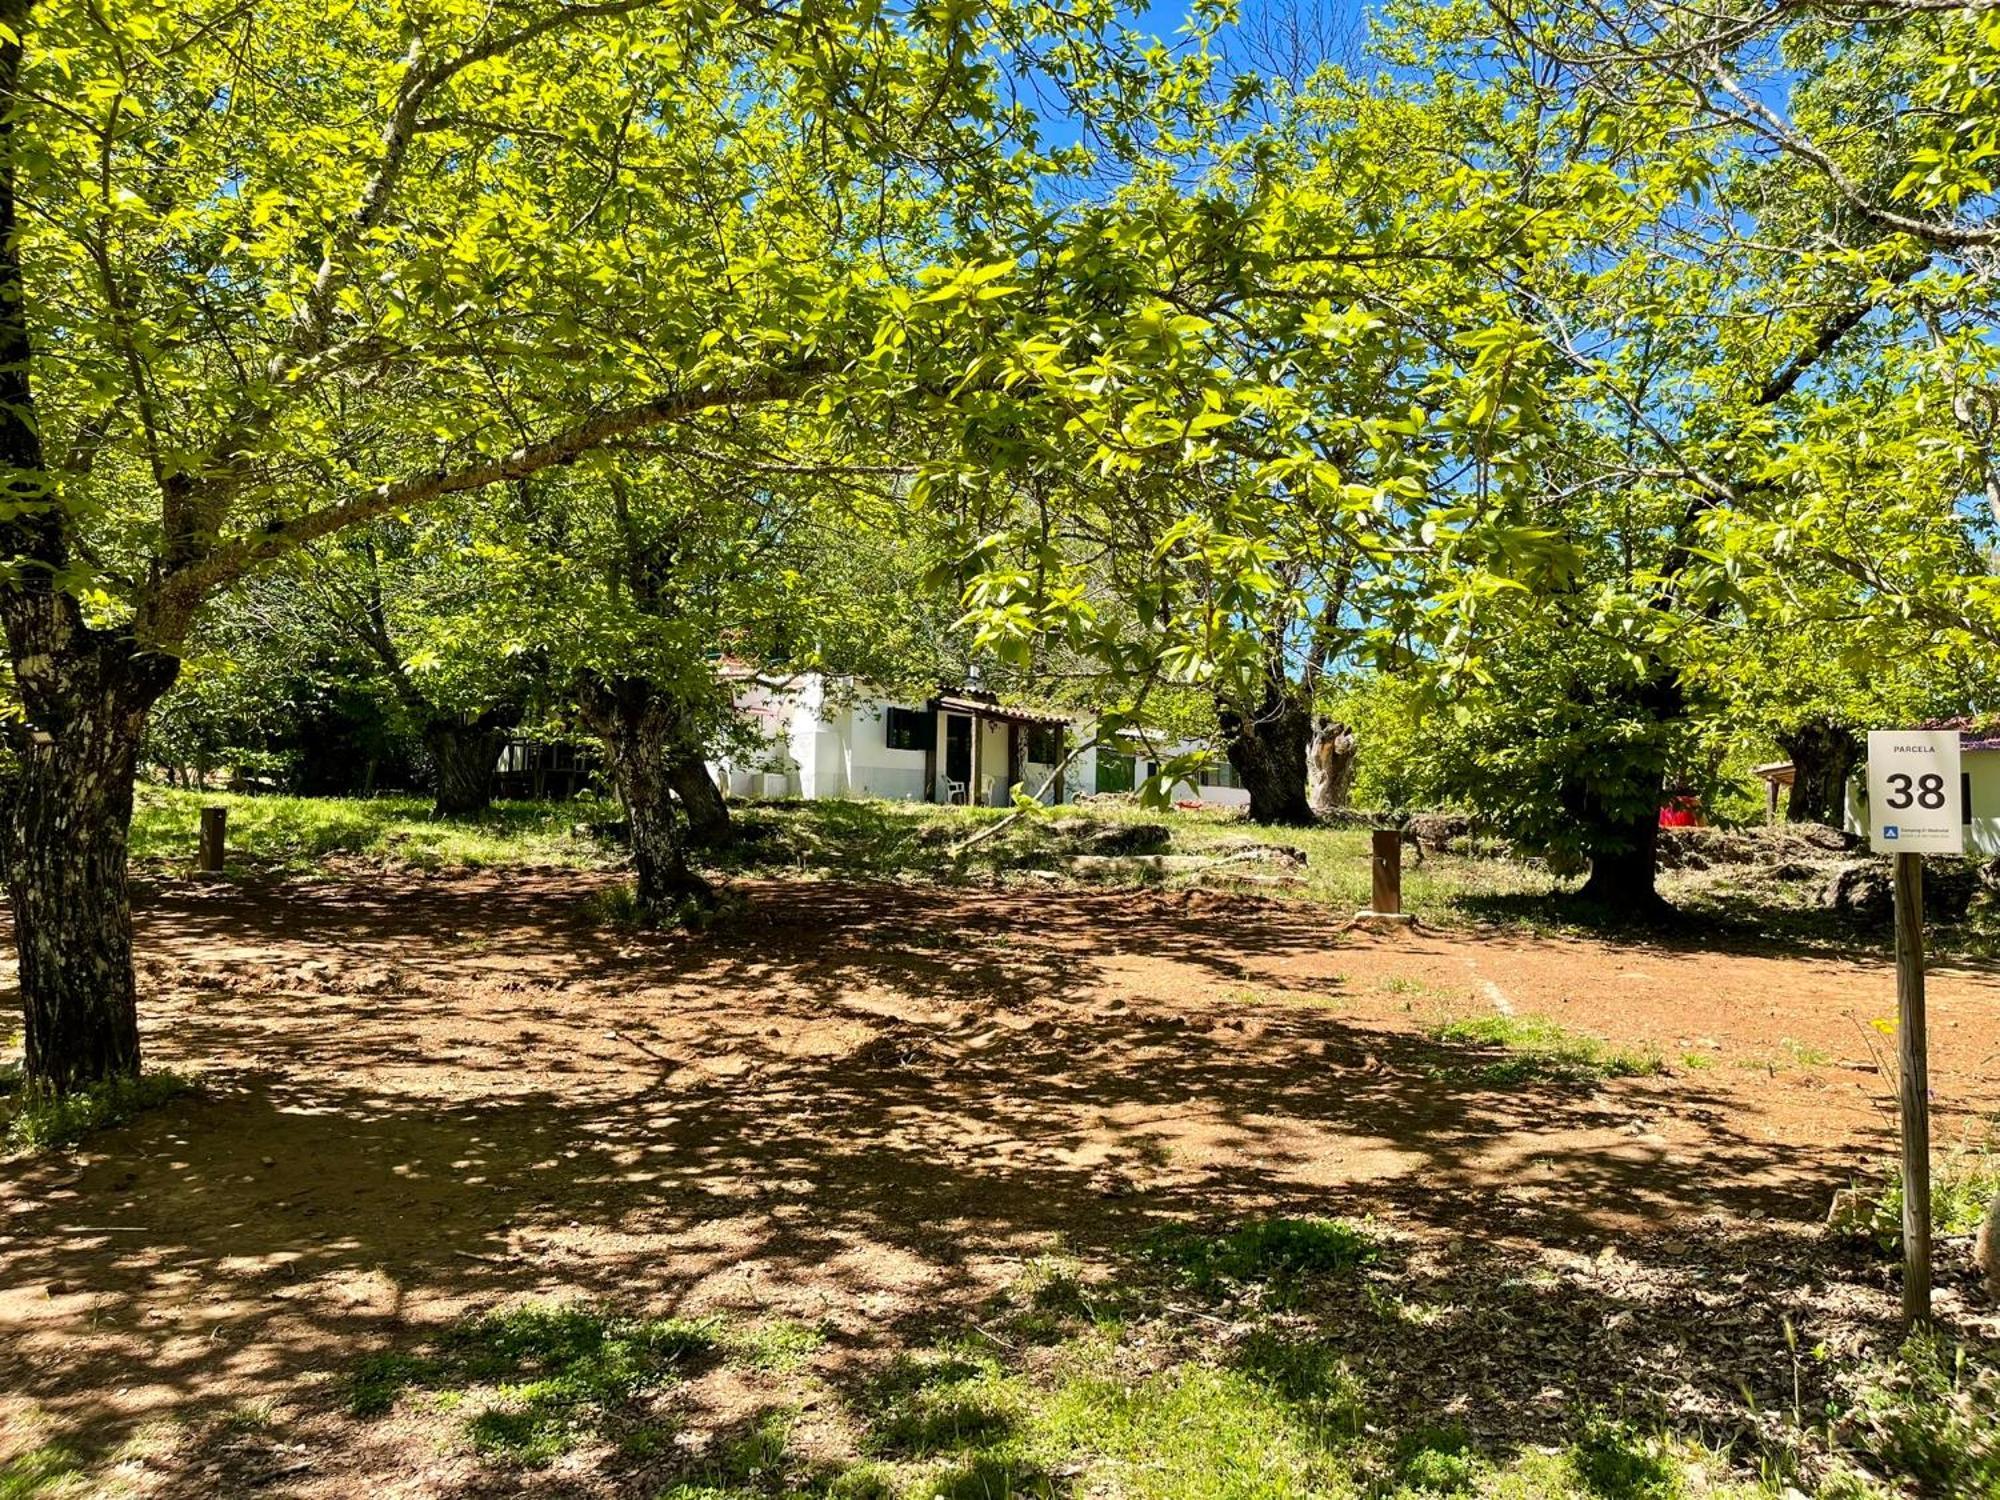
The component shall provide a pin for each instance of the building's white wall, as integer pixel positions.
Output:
(877, 770)
(991, 783)
(1187, 791)
(819, 746)
(1982, 834)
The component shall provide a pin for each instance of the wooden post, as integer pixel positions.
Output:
(1062, 755)
(214, 833)
(972, 797)
(931, 751)
(1388, 897)
(1913, 1089)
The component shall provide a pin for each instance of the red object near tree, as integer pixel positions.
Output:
(1681, 812)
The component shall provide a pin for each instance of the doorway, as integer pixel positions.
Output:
(957, 758)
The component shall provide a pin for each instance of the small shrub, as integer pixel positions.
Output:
(1438, 1461)
(1962, 1183)
(1275, 1253)
(1614, 1461)
(42, 1122)
(1931, 1416)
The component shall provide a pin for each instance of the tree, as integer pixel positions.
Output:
(264, 279)
(411, 605)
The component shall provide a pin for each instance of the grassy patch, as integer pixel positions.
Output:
(1963, 1181)
(1535, 1050)
(39, 1471)
(297, 833)
(538, 1379)
(1192, 1432)
(34, 1121)
(1438, 1461)
(944, 1401)
(777, 1347)
(1930, 1415)
(1275, 1254)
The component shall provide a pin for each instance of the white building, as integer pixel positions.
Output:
(829, 737)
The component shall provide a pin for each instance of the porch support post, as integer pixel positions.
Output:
(978, 744)
(931, 752)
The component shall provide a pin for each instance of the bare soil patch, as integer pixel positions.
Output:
(865, 1108)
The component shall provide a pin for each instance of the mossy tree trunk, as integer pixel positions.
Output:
(68, 820)
(646, 738)
(1266, 743)
(465, 755)
(1823, 756)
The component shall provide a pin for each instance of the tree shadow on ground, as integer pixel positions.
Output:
(917, 1101)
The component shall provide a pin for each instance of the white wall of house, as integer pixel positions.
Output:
(1981, 769)
(874, 768)
(1212, 793)
(825, 743)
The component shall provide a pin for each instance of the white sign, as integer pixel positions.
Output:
(1915, 804)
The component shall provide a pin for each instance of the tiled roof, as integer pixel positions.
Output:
(1973, 734)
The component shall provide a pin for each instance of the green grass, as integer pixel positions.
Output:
(1930, 1415)
(1533, 1049)
(38, 1471)
(1276, 1255)
(1263, 1407)
(776, 1347)
(31, 1121)
(537, 1380)
(297, 833)
(1963, 1181)
(879, 840)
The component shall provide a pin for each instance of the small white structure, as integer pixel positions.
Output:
(1979, 787)
(829, 737)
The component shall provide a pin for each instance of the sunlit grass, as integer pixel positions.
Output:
(31, 1121)
(43, 1472)
(1532, 1049)
(297, 833)
(537, 1380)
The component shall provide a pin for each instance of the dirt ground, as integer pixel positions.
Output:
(867, 1107)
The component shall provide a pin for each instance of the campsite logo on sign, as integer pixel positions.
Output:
(1913, 791)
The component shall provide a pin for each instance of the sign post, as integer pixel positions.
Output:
(1914, 808)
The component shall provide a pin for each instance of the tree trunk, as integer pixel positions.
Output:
(1331, 766)
(1823, 754)
(1624, 868)
(1622, 842)
(701, 802)
(1267, 747)
(464, 756)
(69, 815)
(645, 736)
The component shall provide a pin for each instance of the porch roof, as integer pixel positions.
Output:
(960, 703)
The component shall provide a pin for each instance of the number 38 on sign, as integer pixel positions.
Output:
(1914, 800)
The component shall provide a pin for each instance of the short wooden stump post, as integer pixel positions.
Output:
(214, 837)
(1386, 901)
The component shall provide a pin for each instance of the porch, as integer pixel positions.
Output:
(980, 749)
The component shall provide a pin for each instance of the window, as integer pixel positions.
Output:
(1965, 797)
(1220, 773)
(1044, 741)
(911, 729)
